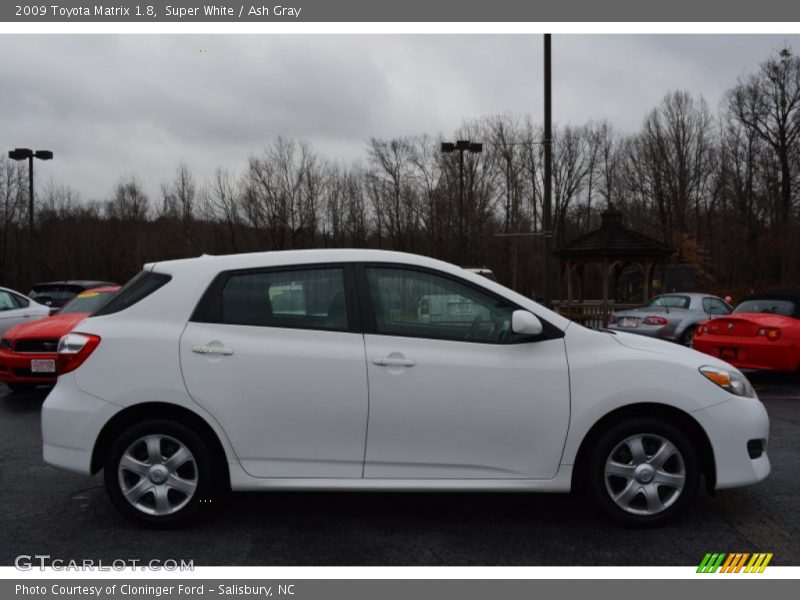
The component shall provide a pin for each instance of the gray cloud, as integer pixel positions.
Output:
(134, 104)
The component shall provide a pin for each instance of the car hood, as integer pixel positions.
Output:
(670, 349)
(51, 327)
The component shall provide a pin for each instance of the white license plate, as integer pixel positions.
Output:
(628, 322)
(43, 365)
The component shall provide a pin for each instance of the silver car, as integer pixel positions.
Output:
(16, 309)
(670, 316)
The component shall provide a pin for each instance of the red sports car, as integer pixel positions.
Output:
(28, 351)
(763, 332)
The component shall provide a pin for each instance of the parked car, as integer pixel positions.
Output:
(671, 317)
(28, 351)
(56, 294)
(16, 308)
(190, 381)
(762, 333)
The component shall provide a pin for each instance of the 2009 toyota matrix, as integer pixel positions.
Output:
(372, 370)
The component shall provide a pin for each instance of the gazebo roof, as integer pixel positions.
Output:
(613, 240)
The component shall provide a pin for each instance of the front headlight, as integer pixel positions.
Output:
(730, 381)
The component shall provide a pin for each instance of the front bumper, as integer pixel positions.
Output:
(16, 368)
(730, 425)
(71, 423)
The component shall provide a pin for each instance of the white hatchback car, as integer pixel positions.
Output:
(312, 370)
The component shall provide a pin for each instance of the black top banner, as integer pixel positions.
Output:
(402, 10)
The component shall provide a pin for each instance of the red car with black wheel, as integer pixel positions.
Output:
(28, 352)
(763, 333)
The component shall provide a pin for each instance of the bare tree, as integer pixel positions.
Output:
(768, 103)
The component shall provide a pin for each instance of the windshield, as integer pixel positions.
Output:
(86, 302)
(767, 305)
(54, 292)
(670, 301)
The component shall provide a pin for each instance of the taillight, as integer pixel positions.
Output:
(74, 349)
(771, 333)
(655, 321)
(612, 319)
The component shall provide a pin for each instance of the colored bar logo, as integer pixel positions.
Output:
(735, 562)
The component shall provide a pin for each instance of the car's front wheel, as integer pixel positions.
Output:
(643, 470)
(161, 474)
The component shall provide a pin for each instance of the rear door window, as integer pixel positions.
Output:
(312, 298)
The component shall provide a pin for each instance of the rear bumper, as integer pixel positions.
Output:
(730, 426)
(16, 368)
(752, 353)
(71, 423)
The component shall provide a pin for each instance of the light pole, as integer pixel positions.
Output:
(461, 146)
(22, 154)
(547, 224)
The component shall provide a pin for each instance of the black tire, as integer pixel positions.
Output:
(687, 338)
(21, 388)
(614, 441)
(205, 469)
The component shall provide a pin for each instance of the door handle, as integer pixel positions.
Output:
(212, 350)
(384, 361)
(26, 316)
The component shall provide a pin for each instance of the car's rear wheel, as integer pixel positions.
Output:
(687, 339)
(161, 474)
(21, 388)
(643, 470)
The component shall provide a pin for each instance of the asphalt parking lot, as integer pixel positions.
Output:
(66, 516)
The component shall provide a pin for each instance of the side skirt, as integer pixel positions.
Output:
(241, 481)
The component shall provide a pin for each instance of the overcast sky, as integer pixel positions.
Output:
(115, 105)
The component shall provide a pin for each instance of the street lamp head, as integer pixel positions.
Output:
(475, 147)
(44, 154)
(448, 147)
(20, 153)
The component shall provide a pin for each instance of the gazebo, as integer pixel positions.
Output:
(613, 247)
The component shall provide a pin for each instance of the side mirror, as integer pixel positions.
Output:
(525, 323)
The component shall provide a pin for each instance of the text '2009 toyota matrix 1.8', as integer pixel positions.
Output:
(371, 370)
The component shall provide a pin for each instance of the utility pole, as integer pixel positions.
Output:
(461, 146)
(547, 218)
(22, 154)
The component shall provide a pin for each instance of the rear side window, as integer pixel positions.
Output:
(310, 298)
(299, 299)
(21, 301)
(715, 306)
(137, 289)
